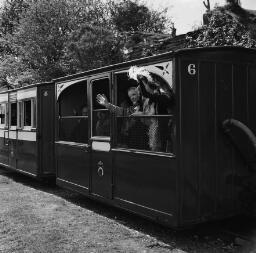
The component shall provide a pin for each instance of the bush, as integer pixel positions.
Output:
(223, 29)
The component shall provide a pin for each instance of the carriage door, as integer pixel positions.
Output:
(101, 173)
(13, 122)
(46, 129)
(4, 133)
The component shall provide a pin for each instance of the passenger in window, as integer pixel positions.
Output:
(133, 130)
(84, 110)
(155, 103)
(126, 109)
(80, 132)
(102, 125)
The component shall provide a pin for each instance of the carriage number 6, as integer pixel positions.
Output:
(192, 69)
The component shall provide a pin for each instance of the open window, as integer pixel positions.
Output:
(13, 115)
(27, 114)
(73, 113)
(100, 115)
(25, 109)
(3, 115)
(149, 124)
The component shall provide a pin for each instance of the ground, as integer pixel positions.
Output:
(38, 217)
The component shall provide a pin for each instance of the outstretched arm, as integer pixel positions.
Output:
(102, 100)
(156, 97)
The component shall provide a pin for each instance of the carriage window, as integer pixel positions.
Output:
(73, 113)
(147, 122)
(2, 114)
(20, 114)
(27, 113)
(100, 115)
(13, 116)
(34, 113)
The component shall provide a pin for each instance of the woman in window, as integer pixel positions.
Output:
(155, 103)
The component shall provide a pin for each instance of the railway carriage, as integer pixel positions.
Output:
(27, 130)
(200, 175)
(194, 162)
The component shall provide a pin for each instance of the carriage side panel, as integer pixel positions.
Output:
(148, 181)
(46, 129)
(207, 138)
(224, 110)
(189, 139)
(251, 97)
(240, 112)
(211, 168)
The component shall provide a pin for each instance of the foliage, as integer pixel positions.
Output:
(11, 15)
(223, 29)
(233, 2)
(13, 71)
(40, 37)
(128, 15)
(93, 46)
(46, 39)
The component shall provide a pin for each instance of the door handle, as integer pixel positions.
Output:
(100, 169)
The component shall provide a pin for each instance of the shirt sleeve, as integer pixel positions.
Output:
(119, 111)
(157, 98)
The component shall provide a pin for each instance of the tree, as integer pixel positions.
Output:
(51, 38)
(11, 14)
(93, 46)
(128, 15)
(41, 36)
(224, 29)
(15, 72)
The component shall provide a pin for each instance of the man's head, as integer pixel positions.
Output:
(134, 95)
(84, 111)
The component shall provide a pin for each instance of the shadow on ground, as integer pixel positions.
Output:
(222, 232)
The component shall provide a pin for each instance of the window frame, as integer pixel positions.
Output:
(21, 114)
(13, 127)
(116, 117)
(27, 127)
(4, 125)
(60, 118)
(91, 81)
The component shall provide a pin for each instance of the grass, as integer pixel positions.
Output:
(39, 218)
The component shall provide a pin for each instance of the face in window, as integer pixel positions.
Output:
(134, 95)
(84, 111)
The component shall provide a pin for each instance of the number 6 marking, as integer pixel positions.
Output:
(192, 69)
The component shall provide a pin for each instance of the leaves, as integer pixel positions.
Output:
(128, 15)
(45, 39)
(223, 29)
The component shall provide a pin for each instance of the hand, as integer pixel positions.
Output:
(137, 113)
(136, 108)
(101, 99)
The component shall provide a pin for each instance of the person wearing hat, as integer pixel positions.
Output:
(157, 101)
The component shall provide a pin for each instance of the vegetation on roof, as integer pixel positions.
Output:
(45, 39)
(226, 25)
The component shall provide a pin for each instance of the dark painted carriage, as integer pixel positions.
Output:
(27, 130)
(201, 164)
(200, 176)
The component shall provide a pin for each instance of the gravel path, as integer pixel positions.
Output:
(35, 217)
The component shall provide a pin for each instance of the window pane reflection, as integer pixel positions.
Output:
(101, 123)
(74, 129)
